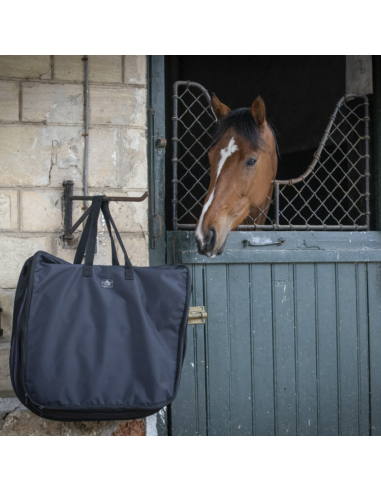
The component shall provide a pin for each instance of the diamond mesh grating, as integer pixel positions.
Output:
(332, 194)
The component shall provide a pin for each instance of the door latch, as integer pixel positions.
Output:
(197, 315)
(263, 242)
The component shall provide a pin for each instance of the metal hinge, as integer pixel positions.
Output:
(197, 315)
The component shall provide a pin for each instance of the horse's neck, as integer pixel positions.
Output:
(256, 213)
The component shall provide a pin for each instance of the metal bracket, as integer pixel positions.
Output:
(156, 226)
(67, 205)
(197, 315)
(1, 330)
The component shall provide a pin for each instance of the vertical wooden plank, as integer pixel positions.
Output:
(306, 380)
(263, 361)
(183, 411)
(283, 292)
(198, 295)
(374, 293)
(218, 363)
(241, 398)
(363, 348)
(347, 348)
(328, 408)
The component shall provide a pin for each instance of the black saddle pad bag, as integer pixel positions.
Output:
(98, 342)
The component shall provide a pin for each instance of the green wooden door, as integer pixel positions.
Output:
(292, 343)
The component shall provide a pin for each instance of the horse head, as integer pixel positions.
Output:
(243, 163)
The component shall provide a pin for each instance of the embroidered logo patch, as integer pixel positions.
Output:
(108, 283)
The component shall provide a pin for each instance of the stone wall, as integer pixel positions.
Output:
(41, 145)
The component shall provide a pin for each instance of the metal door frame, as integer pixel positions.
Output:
(193, 127)
(156, 180)
(156, 172)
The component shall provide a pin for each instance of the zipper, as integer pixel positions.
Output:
(29, 399)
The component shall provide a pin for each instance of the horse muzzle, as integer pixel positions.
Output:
(207, 244)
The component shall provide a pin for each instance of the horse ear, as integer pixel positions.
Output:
(220, 109)
(258, 110)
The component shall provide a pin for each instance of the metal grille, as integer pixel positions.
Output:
(332, 194)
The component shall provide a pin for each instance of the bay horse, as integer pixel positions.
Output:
(243, 163)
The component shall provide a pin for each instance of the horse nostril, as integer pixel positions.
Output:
(211, 238)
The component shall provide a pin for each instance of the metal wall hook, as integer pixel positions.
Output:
(68, 198)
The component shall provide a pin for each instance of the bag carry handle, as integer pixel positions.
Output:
(81, 249)
(86, 246)
(85, 241)
(108, 219)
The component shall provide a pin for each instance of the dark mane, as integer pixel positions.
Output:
(242, 121)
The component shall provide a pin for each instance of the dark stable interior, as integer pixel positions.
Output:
(300, 93)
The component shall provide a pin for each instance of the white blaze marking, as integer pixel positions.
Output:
(225, 153)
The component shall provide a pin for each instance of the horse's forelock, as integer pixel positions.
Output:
(242, 121)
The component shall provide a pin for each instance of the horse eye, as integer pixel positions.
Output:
(250, 162)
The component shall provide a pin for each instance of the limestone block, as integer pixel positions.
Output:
(7, 297)
(8, 210)
(118, 158)
(41, 211)
(135, 69)
(6, 389)
(119, 106)
(21, 423)
(14, 251)
(137, 248)
(9, 100)
(24, 161)
(134, 168)
(66, 254)
(102, 68)
(25, 66)
(103, 256)
(52, 103)
(65, 145)
(130, 217)
(73, 173)
(104, 157)
(136, 245)
(27, 154)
